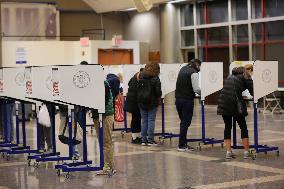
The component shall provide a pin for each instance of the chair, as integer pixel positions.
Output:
(272, 103)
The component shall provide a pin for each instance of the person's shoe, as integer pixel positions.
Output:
(246, 155)
(49, 151)
(229, 155)
(76, 155)
(154, 143)
(136, 141)
(144, 143)
(42, 150)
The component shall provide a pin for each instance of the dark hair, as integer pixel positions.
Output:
(238, 70)
(84, 63)
(152, 69)
(195, 61)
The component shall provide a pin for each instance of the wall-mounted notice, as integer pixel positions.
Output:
(211, 78)
(21, 55)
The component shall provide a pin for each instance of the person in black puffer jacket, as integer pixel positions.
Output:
(234, 85)
(149, 92)
(131, 105)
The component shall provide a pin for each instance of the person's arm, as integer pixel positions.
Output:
(249, 85)
(195, 83)
(158, 88)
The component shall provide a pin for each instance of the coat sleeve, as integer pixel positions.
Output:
(249, 85)
(158, 88)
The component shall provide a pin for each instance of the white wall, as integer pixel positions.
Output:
(43, 53)
(144, 27)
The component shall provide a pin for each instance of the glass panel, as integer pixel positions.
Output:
(275, 30)
(274, 8)
(186, 11)
(217, 11)
(239, 10)
(256, 9)
(275, 52)
(257, 52)
(257, 32)
(219, 35)
(240, 34)
(241, 53)
(187, 38)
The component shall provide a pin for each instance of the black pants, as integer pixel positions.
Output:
(136, 122)
(185, 112)
(45, 136)
(229, 124)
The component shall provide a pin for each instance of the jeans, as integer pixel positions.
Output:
(9, 128)
(185, 111)
(45, 136)
(148, 124)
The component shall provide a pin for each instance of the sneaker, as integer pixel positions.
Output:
(49, 151)
(229, 155)
(186, 149)
(154, 143)
(136, 141)
(42, 150)
(109, 172)
(246, 155)
(144, 143)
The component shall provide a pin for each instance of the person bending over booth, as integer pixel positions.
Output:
(186, 86)
(231, 105)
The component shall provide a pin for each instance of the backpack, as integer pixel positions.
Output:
(145, 92)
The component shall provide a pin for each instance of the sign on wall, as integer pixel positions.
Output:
(21, 55)
(211, 78)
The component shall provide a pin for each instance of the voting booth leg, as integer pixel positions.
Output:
(163, 134)
(17, 124)
(260, 148)
(83, 166)
(53, 129)
(203, 121)
(85, 152)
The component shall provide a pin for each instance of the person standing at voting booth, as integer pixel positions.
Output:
(186, 86)
(231, 105)
(108, 120)
(131, 106)
(148, 95)
(8, 121)
(45, 120)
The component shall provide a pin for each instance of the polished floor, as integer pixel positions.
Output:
(162, 166)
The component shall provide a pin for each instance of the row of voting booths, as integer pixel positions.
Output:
(83, 86)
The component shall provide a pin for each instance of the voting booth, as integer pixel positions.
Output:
(265, 81)
(83, 86)
(13, 87)
(211, 82)
(38, 86)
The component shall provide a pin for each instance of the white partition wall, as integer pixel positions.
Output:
(39, 83)
(211, 78)
(168, 77)
(128, 72)
(14, 83)
(81, 85)
(114, 69)
(265, 76)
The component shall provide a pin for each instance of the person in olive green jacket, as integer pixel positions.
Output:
(108, 120)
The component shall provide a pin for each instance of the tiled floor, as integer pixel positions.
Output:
(162, 166)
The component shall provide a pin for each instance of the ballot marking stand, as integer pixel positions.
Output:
(211, 82)
(13, 88)
(265, 81)
(82, 86)
(39, 88)
(168, 77)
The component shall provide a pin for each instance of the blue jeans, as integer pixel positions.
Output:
(8, 127)
(185, 111)
(148, 118)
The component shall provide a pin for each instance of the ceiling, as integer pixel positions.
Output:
(102, 6)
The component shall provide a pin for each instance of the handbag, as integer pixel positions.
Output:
(43, 116)
(118, 106)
